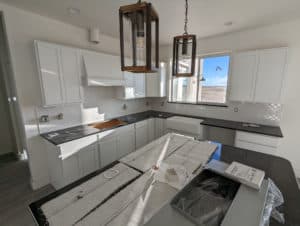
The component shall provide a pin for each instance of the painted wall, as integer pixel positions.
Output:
(7, 143)
(287, 115)
(22, 28)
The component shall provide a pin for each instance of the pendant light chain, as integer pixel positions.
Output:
(186, 17)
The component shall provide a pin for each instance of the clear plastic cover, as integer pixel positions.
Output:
(274, 200)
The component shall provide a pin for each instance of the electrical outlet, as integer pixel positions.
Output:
(236, 109)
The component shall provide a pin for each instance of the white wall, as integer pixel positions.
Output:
(287, 116)
(22, 28)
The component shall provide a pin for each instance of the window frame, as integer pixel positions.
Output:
(214, 104)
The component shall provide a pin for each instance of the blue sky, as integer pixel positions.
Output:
(215, 71)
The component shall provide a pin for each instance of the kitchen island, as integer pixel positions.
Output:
(284, 178)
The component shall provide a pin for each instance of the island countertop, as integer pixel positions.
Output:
(276, 168)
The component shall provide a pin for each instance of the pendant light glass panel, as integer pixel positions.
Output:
(139, 38)
(184, 53)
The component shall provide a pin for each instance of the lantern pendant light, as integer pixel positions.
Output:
(139, 30)
(184, 51)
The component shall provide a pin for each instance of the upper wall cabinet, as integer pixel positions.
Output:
(257, 76)
(156, 82)
(59, 73)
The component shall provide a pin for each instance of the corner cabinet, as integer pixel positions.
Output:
(59, 73)
(258, 76)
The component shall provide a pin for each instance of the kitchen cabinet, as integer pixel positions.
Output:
(270, 75)
(72, 160)
(134, 86)
(257, 76)
(50, 76)
(88, 159)
(160, 127)
(71, 74)
(59, 73)
(243, 76)
(141, 134)
(125, 140)
(107, 147)
(151, 129)
(156, 82)
(257, 142)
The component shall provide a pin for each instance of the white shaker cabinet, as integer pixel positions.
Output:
(242, 80)
(125, 140)
(160, 127)
(257, 142)
(71, 74)
(88, 159)
(270, 75)
(107, 147)
(156, 82)
(141, 134)
(151, 129)
(48, 61)
(257, 76)
(59, 73)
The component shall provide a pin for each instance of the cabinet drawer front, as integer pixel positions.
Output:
(259, 139)
(124, 129)
(141, 124)
(107, 135)
(72, 147)
(256, 147)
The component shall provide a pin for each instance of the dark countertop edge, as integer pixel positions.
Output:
(35, 207)
(162, 114)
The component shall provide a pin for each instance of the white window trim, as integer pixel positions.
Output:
(170, 97)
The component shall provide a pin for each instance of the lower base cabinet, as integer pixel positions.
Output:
(70, 161)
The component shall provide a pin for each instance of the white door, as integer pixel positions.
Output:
(140, 89)
(48, 60)
(242, 79)
(141, 134)
(88, 159)
(108, 150)
(270, 73)
(126, 141)
(71, 74)
(151, 129)
(71, 171)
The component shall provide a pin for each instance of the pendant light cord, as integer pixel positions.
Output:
(186, 17)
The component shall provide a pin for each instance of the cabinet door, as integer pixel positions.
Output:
(88, 159)
(126, 141)
(160, 127)
(108, 149)
(48, 61)
(129, 85)
(270, 73)
(141, 134)
(243, 74)
(140, 89)
(151, 129)
(71, 74)
(152, 85)
(71, 170)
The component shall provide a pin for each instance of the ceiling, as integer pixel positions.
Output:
(206, 17)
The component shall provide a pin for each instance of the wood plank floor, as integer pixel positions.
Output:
(16, 194)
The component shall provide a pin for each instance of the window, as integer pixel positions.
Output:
(207, 86)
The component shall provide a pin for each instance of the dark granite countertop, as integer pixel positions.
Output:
(65, 135)
(278, 169)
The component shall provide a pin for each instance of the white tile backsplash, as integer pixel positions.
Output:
(99, 104)
(267, 114)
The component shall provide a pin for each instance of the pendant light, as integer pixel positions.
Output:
(184, 51)
(139, 30)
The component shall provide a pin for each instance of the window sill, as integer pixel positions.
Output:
(201, 104)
